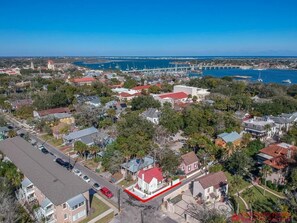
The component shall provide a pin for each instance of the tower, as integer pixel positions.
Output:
(32, 65)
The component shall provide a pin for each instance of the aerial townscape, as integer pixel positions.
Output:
(98, 126)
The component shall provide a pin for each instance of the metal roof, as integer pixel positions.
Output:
(26, 182)
(76, 200)
(230, 137)
(81, 133)
(54, 181)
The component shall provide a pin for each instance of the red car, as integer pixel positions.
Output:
(106, 192)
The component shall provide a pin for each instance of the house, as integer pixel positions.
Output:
(89, 100)
(189, 163)
(200, 93)
(133, 166)
(58, 194)
(211, 187)
(278, 157)
(3, 132)
(87, 136)
(150, 180)
(260, 127)
(83, 81)
(225, 138)
(52, 111)
(152, 115)
(144, 88)
(127, 96)
(284, 122)
(172, 97)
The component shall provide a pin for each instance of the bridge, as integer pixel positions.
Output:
(182, 68)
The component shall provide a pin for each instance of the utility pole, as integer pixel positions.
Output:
(141, 215)
(119, 200)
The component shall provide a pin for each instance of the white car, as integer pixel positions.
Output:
(86, 178)
(77, 172)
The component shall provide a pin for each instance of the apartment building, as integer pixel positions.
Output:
(58, 194)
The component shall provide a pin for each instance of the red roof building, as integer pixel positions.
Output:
(150, 174)
(174, 96)
(50, 112)
(83, 80)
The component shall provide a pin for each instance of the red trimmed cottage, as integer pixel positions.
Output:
(150, 180)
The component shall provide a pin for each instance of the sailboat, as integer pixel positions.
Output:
(259, 77)
(288, 81)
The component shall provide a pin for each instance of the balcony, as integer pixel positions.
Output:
(29, 190)
(48, 211)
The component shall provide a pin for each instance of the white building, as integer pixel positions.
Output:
(150, 180)
(50, 65)
(211, 187)
(200, 93)
(260, 127)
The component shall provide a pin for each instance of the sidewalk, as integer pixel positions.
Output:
(269, 191)
(94, 220)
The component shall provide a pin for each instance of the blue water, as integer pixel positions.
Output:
(268, 76)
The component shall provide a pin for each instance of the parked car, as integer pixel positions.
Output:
(44, 150)
(40, 147)
(86, 178)
(77, 172)
(68, 166)
(106, 192)
(96, 186)
(60, 161)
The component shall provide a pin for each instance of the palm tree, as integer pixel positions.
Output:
(250, 197)
(266, 171)
(80, 147)
(235, 184)
(94, 149)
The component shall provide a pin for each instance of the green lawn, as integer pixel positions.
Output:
(50, 139)
(107, 218)
(274, 191)
(241, 204)
(97, 208)
(126, 183)
(259, 194)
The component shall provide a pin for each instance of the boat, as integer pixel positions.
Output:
(288, 81)
(260, 69)
(259, 77)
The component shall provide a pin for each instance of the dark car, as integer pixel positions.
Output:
(60, 161)
(68, 165)
(44, 150)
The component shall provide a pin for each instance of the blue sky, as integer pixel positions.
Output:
(148, 27)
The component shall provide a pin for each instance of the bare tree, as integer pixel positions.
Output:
(8, 212)
(206, 214)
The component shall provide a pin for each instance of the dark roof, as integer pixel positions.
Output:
(55, 182)
(189, 158)
(53, 111)
(212, 179)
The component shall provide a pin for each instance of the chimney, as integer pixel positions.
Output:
(142, 181)
(289, 153)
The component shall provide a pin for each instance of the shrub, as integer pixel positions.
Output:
(215, 168)
(269, 183)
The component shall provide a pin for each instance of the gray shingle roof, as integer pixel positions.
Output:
(152, 113)
(54, 181)
(81, 133)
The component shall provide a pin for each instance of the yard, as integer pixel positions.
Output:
(97, 208)
(106, 219)
(50, 139)
(261, 203)
(241, 186)
(126, 183)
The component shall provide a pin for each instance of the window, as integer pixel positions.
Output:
(189, 168)
(207, 197)
(81, 204)
(65, 216)
(195, 165)
(64, 205)
(74, 207)
(79, 215)
(208, 189)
